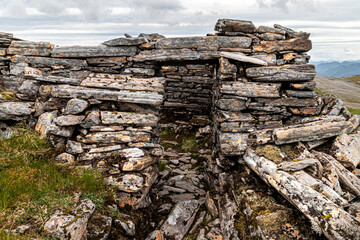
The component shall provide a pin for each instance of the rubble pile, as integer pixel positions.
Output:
(251, 87)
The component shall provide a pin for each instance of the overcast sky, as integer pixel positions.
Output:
(334, 24)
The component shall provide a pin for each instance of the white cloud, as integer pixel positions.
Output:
(334, 24)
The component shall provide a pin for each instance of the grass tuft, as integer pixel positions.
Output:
(33, 186)
(354, 111)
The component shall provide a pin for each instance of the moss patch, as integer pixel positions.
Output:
(270, 152)
(8, 96)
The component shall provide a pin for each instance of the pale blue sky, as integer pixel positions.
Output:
(334, 24)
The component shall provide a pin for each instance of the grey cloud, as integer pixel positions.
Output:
(286, 5)
(15, 8)
(93, 10)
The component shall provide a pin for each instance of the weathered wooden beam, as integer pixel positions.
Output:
(67, 91)
(243, 58)
(325, 216)
(124, 82)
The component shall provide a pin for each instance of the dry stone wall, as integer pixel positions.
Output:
(102, 105)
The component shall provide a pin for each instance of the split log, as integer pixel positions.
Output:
(346, 178)
(325, 216)
(309, 131)
(67, 91)
(242, 58)
(124, 82)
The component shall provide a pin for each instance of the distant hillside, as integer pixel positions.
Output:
(337, 69)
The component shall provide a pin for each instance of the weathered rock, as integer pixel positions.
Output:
(67, 91)
(271, 36)
(234, 117)
(137, 163)
(124, 82)
(73, 147)
(29, 48)
(127, 183)
(228, 210)
(16, 110)
(65, 158)
(291, 33)
(75, 106)
(301, 94)
(289, 102)
(29, 88)
(73, 64)
(234, 105)
(208, 42)
(92, 119)
(265, 29)
(99, 227)
(162, 55)
(210, 204)
(282, 74)
(226, 69)
(61, 131)
(346, 149)
(95, 51)
(68, 120)
(180, 219)
(54, 79)
(231, 25)
(70, 225)
(304, 86)
(294, 44)
(233, 144)
(251, 89)
(126, 118)
(129, 227)
(116, 137)
(125, 41)
(134, 200)
(44, 122)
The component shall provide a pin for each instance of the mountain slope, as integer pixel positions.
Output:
(338, 69)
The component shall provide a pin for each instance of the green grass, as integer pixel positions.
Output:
(33, 186)
(189, 145)
(354, 111)
(319, 91)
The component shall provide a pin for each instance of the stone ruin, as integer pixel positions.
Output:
(252, 87)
